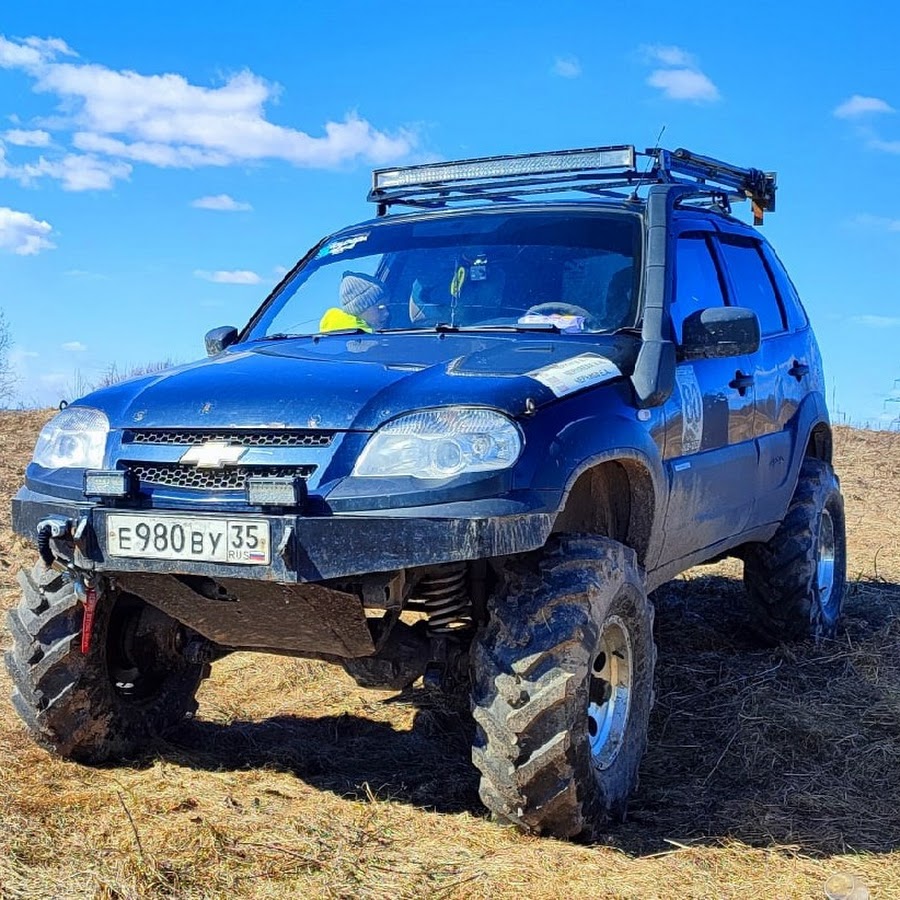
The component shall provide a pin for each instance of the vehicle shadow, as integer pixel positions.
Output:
(788, 746)
(427, 766)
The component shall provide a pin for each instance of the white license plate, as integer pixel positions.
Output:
(244, 541)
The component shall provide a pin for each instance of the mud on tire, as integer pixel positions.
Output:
(110, 704)
(558, 741)
(795, 582)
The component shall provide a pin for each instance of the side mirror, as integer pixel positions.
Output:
(220, 338)
(719, 332)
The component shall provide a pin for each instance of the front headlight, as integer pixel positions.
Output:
(441, 443)
(73, 439)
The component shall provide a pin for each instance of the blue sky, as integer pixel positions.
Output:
(159, 170)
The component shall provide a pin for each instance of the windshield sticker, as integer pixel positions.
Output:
(576, 373)
(335, 248)
(691, 409)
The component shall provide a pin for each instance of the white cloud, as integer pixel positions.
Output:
(22, 138)
(566, 67)
(884, 146)
(679, 76)
(32, 53)
(23, 234)
(74, 346)
(281, 271)
(76, 172)
(877, 321)
(166, 121)
(659, 54)
(884, 222)
(163, 156)
(84, 273)
(238, 276)
(684, 84)
(221, 202)
(858, 105)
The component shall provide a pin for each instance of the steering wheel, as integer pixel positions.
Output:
(558, 308)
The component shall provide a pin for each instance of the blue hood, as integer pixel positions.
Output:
(346, 383)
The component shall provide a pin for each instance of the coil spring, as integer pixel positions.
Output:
(444, 597)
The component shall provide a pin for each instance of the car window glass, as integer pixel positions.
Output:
(697, 284)
(796, 314)
(580, 273)
(752, 285)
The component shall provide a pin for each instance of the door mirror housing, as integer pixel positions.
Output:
(720, 331)
(220, 338)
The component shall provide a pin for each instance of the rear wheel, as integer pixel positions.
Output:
(562, 689)
(133, 684)
(795, 582)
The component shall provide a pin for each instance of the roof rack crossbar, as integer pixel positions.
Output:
(607, 171)
(745, 184)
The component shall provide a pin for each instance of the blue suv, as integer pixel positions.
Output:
(459, 442)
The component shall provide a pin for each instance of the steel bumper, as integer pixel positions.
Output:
(307, 549)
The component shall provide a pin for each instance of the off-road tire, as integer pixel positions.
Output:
(71, 702)
(532, 675)
(786, 600)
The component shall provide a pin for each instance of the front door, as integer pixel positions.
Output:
(710, 455)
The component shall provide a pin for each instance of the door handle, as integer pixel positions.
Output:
(742, 383)
(798, 370)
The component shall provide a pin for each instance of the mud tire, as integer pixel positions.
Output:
(532, 674)
(71, 702)
(786, 599)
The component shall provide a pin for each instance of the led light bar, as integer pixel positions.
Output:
(524, 165)
(107, 483)
(276, 491)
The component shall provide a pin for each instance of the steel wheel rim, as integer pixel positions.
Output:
(825, 560)
(609, 696)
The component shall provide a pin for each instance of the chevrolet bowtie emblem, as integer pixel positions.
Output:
(213, 455)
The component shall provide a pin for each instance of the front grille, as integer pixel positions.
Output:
(232, 478)
(248, 438)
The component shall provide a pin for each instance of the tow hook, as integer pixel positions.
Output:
(87, 594)
(53, 527)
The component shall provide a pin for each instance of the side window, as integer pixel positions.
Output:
(796, 314)
(752, 285)
(697, 284)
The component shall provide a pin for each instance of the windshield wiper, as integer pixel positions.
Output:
(284, 336)
(278, 337)
(443, 327)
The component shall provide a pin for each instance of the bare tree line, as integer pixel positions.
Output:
(7, 375)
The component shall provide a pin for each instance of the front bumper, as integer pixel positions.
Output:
(309, 549)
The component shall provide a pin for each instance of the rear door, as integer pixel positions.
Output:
(710, 450)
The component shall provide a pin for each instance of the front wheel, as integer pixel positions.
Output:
(795, 582)
(562, 689)
(133, 684)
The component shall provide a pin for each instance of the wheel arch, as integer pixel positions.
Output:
(820, 444)
(613, 496)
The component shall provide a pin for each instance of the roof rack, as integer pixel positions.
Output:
(606, 171)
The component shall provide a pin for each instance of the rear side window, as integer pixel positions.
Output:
(796, 314)
(753, 288)
(697, 284)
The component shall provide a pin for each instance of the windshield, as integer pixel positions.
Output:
(560, 271)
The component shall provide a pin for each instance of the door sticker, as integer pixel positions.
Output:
(576, 373)
(691, 409)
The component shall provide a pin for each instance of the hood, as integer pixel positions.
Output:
(359, 382)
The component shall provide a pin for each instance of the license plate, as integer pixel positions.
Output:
(243, 541)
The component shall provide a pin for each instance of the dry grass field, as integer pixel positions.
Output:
(768, 770)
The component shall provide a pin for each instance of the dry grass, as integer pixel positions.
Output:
(768, 771)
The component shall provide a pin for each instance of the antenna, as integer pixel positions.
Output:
(651, 158)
